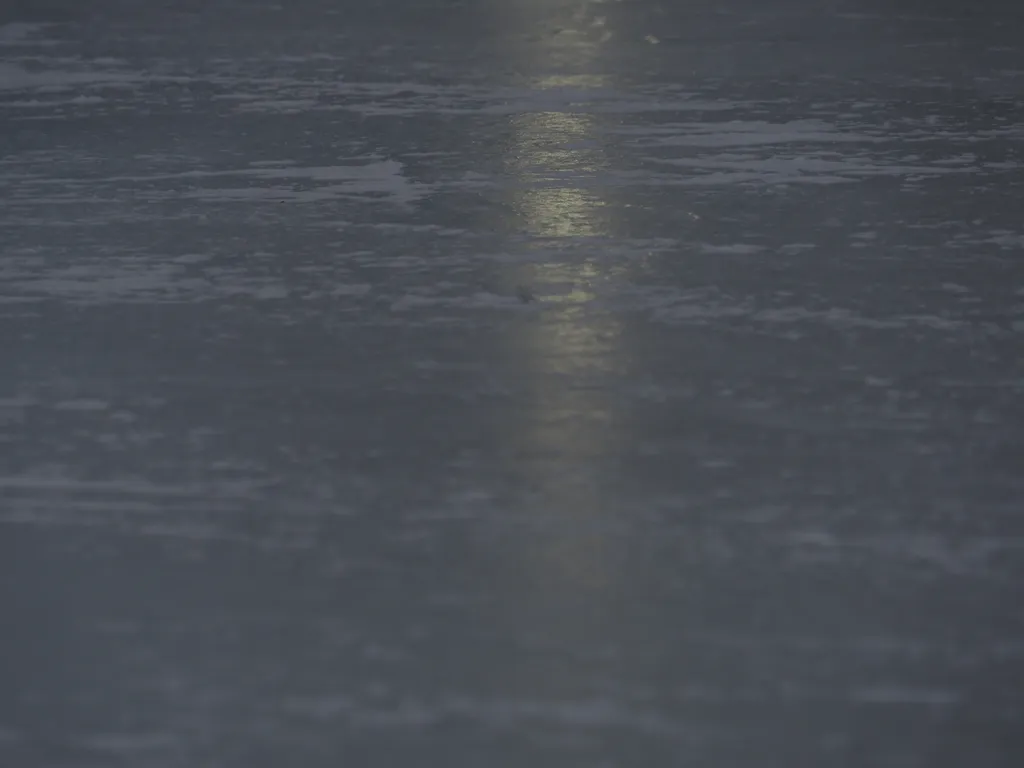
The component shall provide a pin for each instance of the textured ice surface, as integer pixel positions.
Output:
(566, 383)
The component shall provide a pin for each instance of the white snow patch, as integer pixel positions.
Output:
(803, 168)
(743, 133)
(384, 177)
(588, 714)
(899, 694)
(82, 404)
(733, 248)
(15, 78)
(1007, 240)
(130, 743)
(794, 248)
(354, 289)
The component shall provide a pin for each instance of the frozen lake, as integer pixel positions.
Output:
(501, 383)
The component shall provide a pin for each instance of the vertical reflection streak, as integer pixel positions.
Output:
(562, 575)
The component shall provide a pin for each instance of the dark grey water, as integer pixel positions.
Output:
(511, 383)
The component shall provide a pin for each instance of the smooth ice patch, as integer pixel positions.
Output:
(22, 33)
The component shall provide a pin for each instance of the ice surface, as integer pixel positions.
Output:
(481, 384)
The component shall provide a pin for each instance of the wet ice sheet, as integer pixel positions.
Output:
(564, 384)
